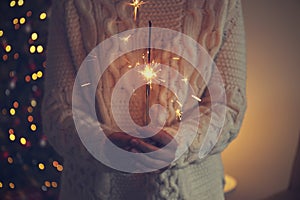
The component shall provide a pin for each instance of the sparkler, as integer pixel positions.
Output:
(149, 74)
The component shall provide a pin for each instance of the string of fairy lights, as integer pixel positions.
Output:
(26, 159)
(29, 167)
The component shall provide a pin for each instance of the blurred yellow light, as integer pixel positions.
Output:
(12, 111)
(1, 33)
(23, 141)
(34, 76)
(34, 36)
(12, 3)
(33, 103)
(32, 49)
(20, 2)
(39, 74)
(41, 166)
(60, 168)
(10, 160)
(15, 21)
(12, 137)
(8, 48)
(33, 127)
(54, 184)
(40, 49)
(47, 184)
(22, 20)
(11, 185)
(1, 185)
(43, 16)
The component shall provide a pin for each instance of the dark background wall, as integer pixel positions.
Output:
(261, 157)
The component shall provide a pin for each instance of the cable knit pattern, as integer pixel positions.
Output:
(76, 27)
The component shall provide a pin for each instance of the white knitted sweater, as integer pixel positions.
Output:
(76, 27)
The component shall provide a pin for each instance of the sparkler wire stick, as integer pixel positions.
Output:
(148, 85)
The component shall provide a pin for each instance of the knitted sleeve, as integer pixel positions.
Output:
(231, 64)
(231, 61)
(57, 114)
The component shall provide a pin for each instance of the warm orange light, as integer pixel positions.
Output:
(60, 168)
(47, 184)
(136, 4)
(148, 73)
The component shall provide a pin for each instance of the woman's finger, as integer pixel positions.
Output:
(162, 137)
(165, 155)
(120, 139)
(143, 146)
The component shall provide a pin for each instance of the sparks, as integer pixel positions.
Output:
(196, 98)
(149, 73)
(178, 114)
(136, 4)
(126, 39)
(185, 80)
(180, 104)
(86, 84)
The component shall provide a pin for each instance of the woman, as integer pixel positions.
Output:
(76, 27)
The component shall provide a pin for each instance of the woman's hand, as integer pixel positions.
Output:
(161, 141)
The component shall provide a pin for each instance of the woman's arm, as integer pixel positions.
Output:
(231, 63)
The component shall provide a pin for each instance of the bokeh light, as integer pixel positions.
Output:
(34, 36)
(11, 185)
(20, 2)
(8, 48)
(32, 49)
(12, 3)
(47, 184)
(41, 166)
(10, 160)
(43, 16)
(33, 127)
(12, 137)
(25, 156)
(12, 111)
(23, 141)
(22, 20)
(40, 49)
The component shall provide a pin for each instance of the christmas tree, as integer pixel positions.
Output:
(29, 167)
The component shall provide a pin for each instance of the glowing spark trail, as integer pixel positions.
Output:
(178, 114)
(86, 84)
(196, 98)
(136, 4)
